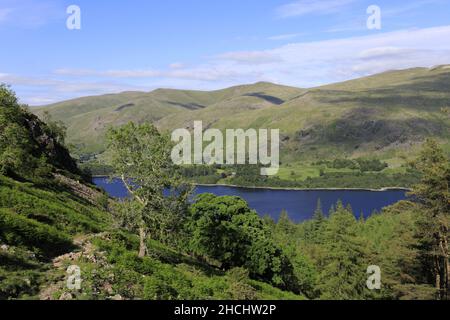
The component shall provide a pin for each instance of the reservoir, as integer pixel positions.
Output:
(299, 204)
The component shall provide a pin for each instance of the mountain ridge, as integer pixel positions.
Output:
(368, 116)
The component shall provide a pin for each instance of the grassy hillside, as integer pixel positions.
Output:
(385, 116)
(88, 118)
(44, 230)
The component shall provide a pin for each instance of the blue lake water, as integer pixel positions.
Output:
(300, 205)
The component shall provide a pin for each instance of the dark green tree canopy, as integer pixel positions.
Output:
(28, 146)
(227, 230)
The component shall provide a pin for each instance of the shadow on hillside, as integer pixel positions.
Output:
(271, 99)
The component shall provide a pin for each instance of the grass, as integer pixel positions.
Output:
(36, 224)
(301, 172)
(298, 172)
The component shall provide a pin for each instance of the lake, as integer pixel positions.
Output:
(300, 204)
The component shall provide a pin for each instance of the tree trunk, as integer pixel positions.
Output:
(441, 264)
(142, 245)
(445, 257)
(437, 275)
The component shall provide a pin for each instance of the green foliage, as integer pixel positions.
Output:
(15, 147)
(141, 157)
(181, 278)
(35, 226)
(240, 287)
(96, 168)
(20, 273)
(343, 275)
(374, 180)
(57, 208)
(103, 201)
(330, 261)
(362, 165)
(15, 284)
(56, 129)
(29, 147)
(214, 233)
(234, 253)
(201, 174)
(392, 239)
(227, 230)
(433, 194)
(20, 231)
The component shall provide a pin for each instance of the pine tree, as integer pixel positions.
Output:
(318, 213)
(318, 224)
(285, 224)
(362, 219)
(433, 195)
(343, 275)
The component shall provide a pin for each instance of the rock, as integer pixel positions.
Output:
(72, 256)
(116, 297)
(66, 296)
(107, 287)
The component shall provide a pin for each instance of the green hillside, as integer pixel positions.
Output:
(377, 113)
(386, 116)
(88, 118)
(45, 230)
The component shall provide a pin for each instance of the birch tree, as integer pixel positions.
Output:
(140, 156)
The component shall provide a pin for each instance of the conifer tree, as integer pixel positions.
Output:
(343, 275)
(433, 195)
(318, 223)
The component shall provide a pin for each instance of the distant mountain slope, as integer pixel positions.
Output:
(386, 114)
(88, 118)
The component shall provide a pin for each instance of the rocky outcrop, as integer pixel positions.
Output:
(78, 188)
(48, 145)
(86, 253)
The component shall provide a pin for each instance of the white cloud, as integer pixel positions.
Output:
(108, 73)
(30, 13)
(206, 73)
(409, 6)
(61, 89)
(304, 7)
(289, 36)
(38, 101)
(385, 52)
(250, 57)
(177, 65)
(304, 64)
(320, 62)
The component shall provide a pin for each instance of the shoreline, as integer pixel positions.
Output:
(306, 189)
(294, 189)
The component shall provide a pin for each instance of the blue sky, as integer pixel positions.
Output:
(205, 45)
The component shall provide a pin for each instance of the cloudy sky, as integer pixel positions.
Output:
(205, 45)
